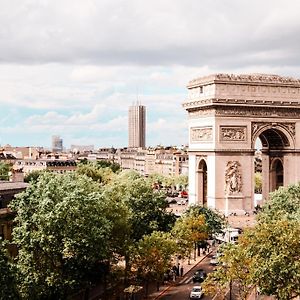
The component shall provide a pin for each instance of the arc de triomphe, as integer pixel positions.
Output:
(226, 116)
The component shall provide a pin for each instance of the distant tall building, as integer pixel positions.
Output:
(57, 143)
(137, 126)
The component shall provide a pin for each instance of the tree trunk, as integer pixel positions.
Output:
(146, 288)
(127, 268)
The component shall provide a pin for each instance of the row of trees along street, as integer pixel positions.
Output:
(95, 228)
(267, 256)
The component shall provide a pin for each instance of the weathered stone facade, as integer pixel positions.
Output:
(227, 114)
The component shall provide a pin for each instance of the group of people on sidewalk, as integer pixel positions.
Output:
(171, 274)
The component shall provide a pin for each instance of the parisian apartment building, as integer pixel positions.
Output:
(167, 161)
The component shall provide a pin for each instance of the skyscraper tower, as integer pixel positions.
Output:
(57, 143)
(137, 126)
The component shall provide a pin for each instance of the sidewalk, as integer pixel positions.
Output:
(186, 267)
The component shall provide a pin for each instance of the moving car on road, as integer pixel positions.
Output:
(214, 260)
(196, 292)
(199, 276)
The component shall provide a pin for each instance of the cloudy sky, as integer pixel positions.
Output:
(72, 67)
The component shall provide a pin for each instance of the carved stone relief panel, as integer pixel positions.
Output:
(201, 134)
(233, 133)
(264, 112)
(233, 178)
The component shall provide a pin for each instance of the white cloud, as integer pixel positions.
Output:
(74, 66)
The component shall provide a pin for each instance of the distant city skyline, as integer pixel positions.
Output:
(73, 68)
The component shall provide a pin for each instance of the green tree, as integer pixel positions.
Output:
(215, 222)
(34, 175)
(235, 268)
(267, 255)
(156, 180)
(283, 203)
(258, 182)
(275, 250)
(152, 256)
(7, 277)
(89, 170)
(62, 234)
(4, 171)
(115, 167)
(188, 231)
(146, 209)
(182, 180)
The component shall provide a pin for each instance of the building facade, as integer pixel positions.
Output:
(167, 161)
(137, 126)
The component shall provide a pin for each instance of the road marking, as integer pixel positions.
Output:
(186, 280)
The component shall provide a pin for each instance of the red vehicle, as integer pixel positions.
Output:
(184, 194)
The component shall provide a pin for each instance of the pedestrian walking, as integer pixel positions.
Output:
(177, 269)
(181, 271)
(174, 276)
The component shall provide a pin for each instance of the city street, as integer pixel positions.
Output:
(178, 205)
(239, 221)
(183, 289)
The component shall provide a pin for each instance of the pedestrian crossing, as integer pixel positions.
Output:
(186, 280)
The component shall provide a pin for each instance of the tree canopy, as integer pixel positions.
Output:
(267, 255)
(215, 222)
(4, 170)
(34, 175)
(283, 203)
(61, 232)
(152, 256)
(147, 207)
(7, 276)
(115, 167)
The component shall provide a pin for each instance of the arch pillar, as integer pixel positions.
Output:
(265, 174)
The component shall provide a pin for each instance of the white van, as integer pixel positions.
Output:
(229, 235)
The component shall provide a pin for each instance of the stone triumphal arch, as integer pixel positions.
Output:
(227, 114)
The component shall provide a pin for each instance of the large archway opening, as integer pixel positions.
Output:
(202, 183)
(258, 178)
(269, 161)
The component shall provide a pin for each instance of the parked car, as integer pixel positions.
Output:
(172, 194)
(184, 201)
(184, 194)
(199, 276)
(171, 200)
(196, 292)
(178, 201)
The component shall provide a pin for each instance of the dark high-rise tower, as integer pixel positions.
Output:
(137, 126)
(57, 143)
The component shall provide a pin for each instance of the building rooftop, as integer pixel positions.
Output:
(8, 185)
(255, 78)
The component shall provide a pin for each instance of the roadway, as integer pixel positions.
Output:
(183, 289)
(177, 208)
